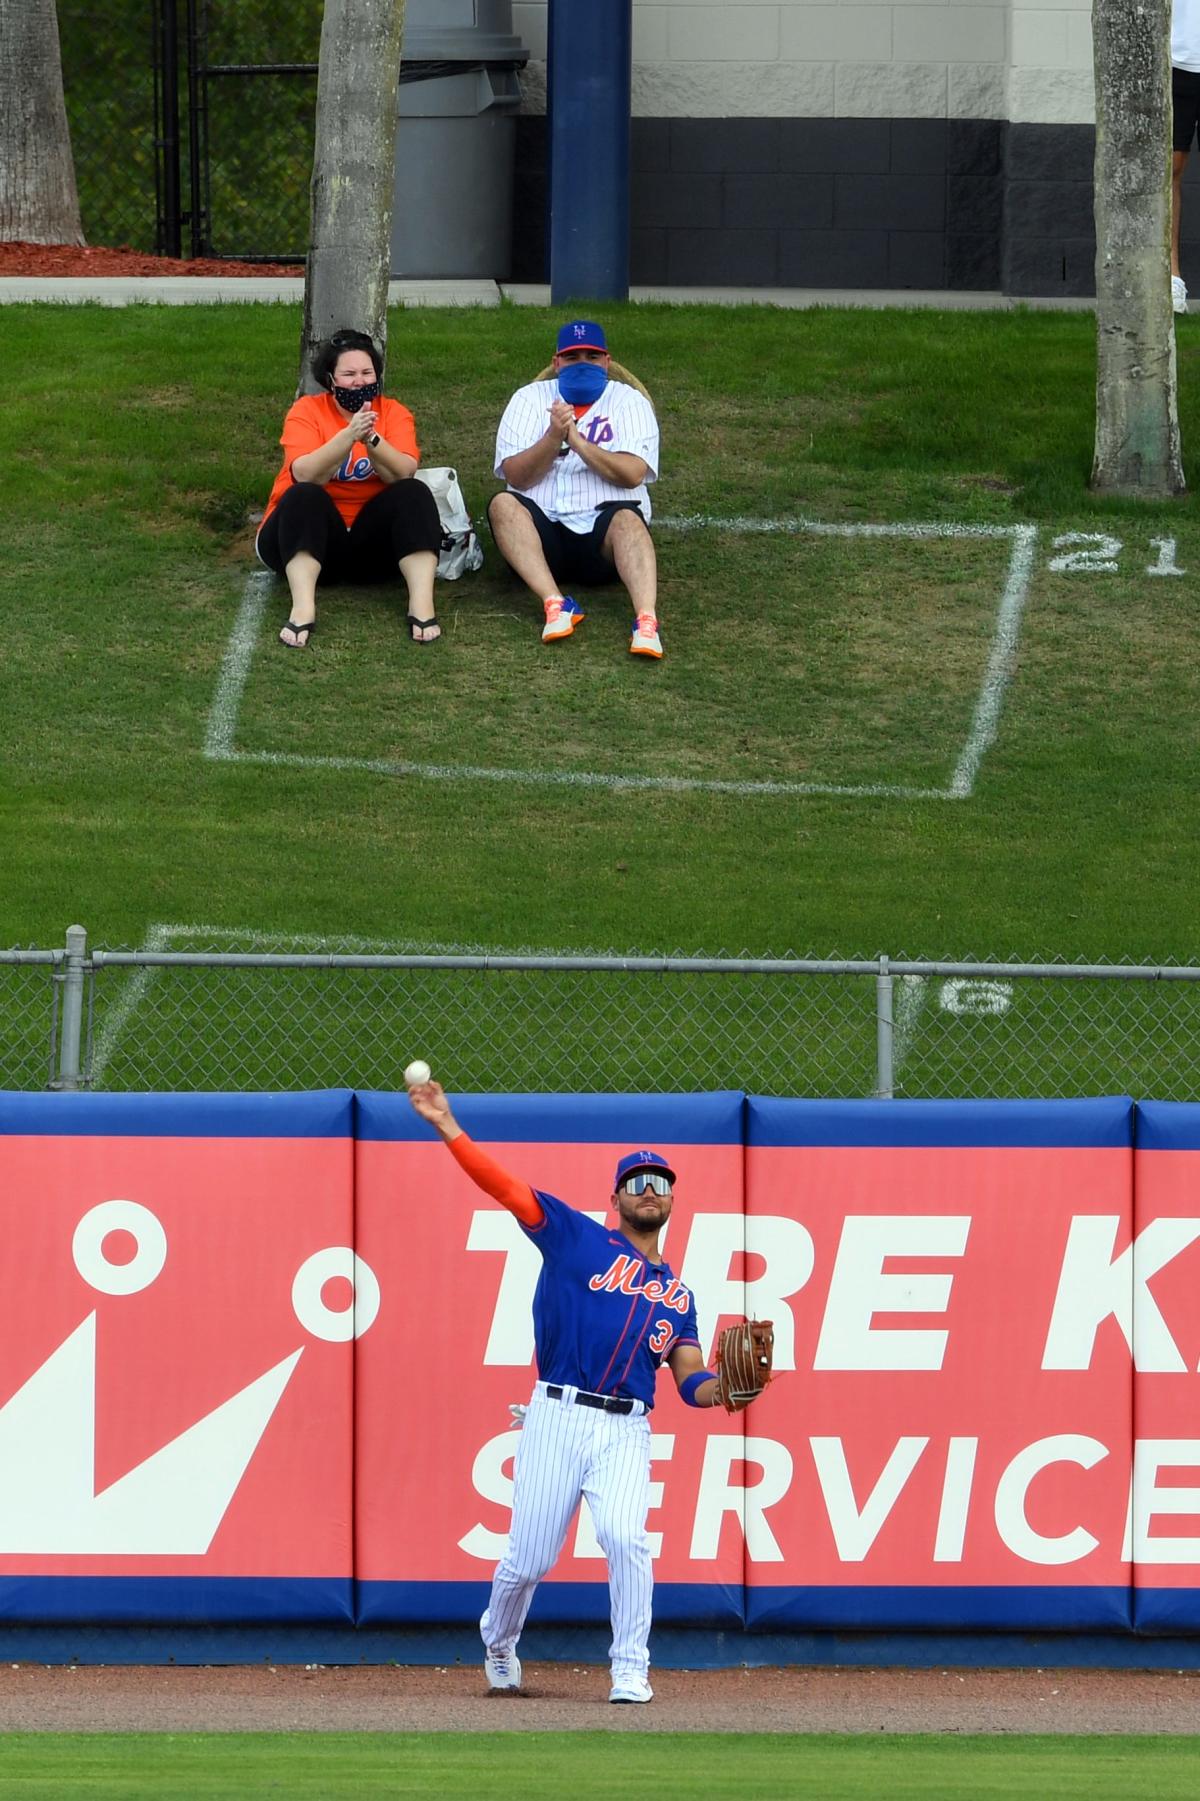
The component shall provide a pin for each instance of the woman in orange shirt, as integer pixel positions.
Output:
(344, 507)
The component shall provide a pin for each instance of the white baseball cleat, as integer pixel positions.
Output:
(645, 641)
(1179, 294)
(631, 1688)
(502, 1669)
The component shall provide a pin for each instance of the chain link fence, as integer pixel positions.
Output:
(107, 49)
(245, 74)
(253, 88)
(231, 1019)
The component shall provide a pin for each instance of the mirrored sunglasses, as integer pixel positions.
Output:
(642, 1179)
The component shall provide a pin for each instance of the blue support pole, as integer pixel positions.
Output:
(589, 65)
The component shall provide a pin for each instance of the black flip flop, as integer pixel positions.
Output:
(294, 625)
(416, 625)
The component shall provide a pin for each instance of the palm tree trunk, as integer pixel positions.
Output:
(353, 179)
(38, 200)
(1137, 422)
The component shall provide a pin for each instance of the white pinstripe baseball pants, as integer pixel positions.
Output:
(565, 1451)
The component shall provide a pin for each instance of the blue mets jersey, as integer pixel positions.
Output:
(604, 1317)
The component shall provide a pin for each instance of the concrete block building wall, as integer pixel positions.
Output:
(856, 143)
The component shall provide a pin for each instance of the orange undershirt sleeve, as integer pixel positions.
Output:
(487, 1174)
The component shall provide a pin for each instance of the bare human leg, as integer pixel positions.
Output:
(518, 543)
(418, 570)
(629, 545)
(1178, 289)
(302, 573)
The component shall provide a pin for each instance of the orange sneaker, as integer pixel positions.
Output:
(562, 616)
(645, 641)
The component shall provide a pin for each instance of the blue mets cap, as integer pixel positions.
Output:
(640, 1160)
(581, 334)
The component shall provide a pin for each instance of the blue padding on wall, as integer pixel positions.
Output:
(1105, 1122)
(327, 1113)
(638, 1120)
(671, 1647)
(939, 1609)
(1165, 1610)
(191, 1600)
(555, 1603)
(1168, 1126)
(414, 1603)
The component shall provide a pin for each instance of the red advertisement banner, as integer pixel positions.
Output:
(175, 1361)
(1154, 1282)
(294, 1359)
(951, 1421)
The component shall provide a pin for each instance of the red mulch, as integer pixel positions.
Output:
(88, 259)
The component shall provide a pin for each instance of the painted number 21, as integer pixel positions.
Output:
(1095, 553)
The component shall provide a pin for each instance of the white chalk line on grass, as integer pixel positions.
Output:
(799, 527)
(221, 730)
(161, 936)
(235, 666)
(467, 772)
(132, 994)
(1001, 659)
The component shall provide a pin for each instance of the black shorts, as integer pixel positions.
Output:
(1185, 105)
(578, 556)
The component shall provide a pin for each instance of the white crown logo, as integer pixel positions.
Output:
(172, 1504)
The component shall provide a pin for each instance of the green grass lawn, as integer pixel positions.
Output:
(136, 443)
(902, 630)
(543, 1766)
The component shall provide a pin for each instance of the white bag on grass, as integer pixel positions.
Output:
(461, 549)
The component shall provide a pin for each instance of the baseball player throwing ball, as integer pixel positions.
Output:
(607, 1314)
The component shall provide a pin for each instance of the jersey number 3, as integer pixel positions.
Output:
(661, 1336)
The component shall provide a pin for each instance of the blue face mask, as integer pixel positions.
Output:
(582, 383)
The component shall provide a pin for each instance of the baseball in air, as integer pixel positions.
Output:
(416, 1073)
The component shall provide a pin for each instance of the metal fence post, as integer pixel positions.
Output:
(884, 1075)
(70, 1067)
(168, 239)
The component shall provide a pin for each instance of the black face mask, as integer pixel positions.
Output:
(352, 400)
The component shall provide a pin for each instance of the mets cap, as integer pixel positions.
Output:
(581, 334)
(640, 1160)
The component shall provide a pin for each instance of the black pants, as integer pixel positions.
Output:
(401, 519)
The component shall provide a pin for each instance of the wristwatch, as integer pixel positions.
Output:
(372, 441)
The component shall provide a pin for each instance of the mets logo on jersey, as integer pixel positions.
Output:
(621, 1277)
(355, 469)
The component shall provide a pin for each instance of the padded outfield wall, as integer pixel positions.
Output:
(257, 1354)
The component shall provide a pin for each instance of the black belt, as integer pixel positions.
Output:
(609, 1403)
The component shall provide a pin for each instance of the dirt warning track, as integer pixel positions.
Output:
(566, 1697)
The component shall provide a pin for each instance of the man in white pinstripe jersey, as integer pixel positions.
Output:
(578, 453)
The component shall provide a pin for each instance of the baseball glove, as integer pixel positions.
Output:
(744, 1355)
